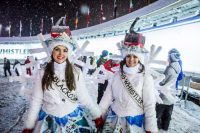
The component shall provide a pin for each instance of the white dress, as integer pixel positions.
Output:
(51, 111)
(122, 113)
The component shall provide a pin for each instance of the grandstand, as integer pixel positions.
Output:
(159, 13)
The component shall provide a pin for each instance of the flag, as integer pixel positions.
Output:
(30, 27)
(101, 14)
(115, 9)
(8, 28)
(9, 31)
(76, 20)
(88, 17)
(52, 21)
(131, 6)
(41, 25)
(64, 20)
(0, 28)
(147, 2)
(20, 28)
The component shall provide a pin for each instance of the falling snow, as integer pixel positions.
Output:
(26, 10)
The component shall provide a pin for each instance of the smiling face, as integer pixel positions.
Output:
(131, 60)
(60, 54)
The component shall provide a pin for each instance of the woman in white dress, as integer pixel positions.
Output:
(128, 104)
(60, 95)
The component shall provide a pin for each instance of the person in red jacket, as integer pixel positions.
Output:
(28, 69)
(111, 64)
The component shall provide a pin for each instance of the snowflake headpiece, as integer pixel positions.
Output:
(61, 35)
(133, 46)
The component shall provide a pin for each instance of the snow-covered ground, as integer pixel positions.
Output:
(12, 107)
(185, 119)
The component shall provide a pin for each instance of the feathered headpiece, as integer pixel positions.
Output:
(133, 44)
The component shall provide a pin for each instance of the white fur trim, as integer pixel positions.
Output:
(141, 53)
(63, 40)
(60, 43)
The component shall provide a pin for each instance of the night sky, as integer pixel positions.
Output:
(35, 10)
(12, 11)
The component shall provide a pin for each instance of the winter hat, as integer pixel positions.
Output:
(104, 53)
(129, 46)
(174, 55)
(110, 54)
(61, 35)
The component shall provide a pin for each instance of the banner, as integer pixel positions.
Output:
(20, 51)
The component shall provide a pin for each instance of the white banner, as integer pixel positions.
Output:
(20, 51)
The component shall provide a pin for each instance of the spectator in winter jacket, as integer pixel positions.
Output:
(109, 64)
(102, 86)
(15, 65)
(102, 58)
(164, 111)
(6, 67)
(28, 69)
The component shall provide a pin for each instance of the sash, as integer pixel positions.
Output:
(131, 91)
(61, 85)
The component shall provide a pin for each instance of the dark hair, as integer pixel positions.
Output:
(47, 78)
(123, 62)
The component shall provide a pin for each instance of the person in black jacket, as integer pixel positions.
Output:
(102, 86)
(6, 67)
(15, 68)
